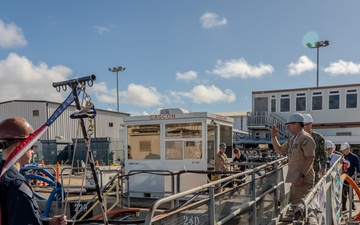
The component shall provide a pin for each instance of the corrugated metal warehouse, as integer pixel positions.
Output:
(63, 132)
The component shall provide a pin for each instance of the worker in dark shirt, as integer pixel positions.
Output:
(18, 206)
(350, 165)
(239, 158)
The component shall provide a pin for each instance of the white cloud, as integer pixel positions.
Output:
(134, 95)
(343, 67)
(101, 29)
(156, 111)
(175, 98)
(303, 64)
(11, 36)
(144, 113)
(207, 94)
(240, 68)
(22, 80)
(138, 113)
(210, 20)
(143, 96)
(187, 76)
(103, 94)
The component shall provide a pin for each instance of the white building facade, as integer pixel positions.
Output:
(335, 110)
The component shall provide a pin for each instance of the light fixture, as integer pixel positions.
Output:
(117, 70)
(318, 45)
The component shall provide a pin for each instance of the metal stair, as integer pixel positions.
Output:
(263, 120)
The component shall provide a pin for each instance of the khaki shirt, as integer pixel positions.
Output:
(220, 160)
(298, 148)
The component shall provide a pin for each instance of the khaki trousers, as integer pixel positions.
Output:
(297, 193)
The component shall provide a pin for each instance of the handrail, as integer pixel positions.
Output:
(304, 206)
(109, 187)
(313, 191)
(210, 186)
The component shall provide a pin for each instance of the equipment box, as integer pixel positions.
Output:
(104, 173)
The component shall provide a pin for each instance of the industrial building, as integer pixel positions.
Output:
(65, 134)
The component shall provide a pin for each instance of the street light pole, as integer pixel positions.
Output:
(318, 45)
(117, 70)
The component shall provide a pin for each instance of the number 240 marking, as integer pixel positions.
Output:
(191, 220)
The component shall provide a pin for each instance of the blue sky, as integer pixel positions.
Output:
(196, 55)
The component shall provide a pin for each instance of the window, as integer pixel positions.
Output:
(143, 141)
(174, 150)
(351, 99)
(273, 105)
(301, 102)
(334, 100)
(36, 113)
(343, 133)
(317, 101)
(111, 124)
(211, 148)
(183, 141)
(285, 103)
(192, 149)
(183, 130)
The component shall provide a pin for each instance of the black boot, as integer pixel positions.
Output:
(344, 207)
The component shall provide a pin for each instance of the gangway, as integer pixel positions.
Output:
(253, 200)
(257, 196)
(261, 200)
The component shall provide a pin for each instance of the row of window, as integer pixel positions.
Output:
(183, 141)
(317, 100)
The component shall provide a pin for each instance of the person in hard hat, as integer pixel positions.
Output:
(220, 161)
(17, 202)
(321, 155)
(300, 149)
(351, 164)
(221, 158)
(332, 157)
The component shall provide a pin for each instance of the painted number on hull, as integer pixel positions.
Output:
(80, 207)
(191, 220)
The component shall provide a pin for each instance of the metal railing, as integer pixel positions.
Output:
(249, 197)
(265, 120)
(113, 189)
(324, 199)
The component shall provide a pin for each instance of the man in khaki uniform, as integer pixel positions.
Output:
(300, 149)
(220, 160)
